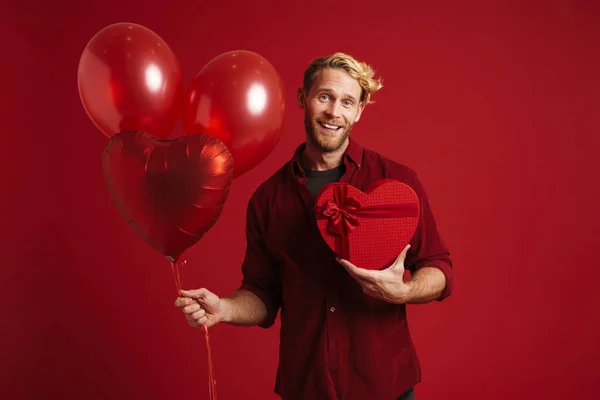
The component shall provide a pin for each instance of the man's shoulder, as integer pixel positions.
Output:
(393, 169)
(267, 188)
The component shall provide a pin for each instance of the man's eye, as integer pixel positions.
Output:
(324, 97)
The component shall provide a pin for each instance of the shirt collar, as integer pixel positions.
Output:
(353, 154)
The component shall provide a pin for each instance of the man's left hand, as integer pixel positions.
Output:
(387, 285)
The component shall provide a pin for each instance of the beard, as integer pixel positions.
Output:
(325, 143)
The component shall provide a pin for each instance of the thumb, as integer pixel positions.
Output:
(402, 256)
(194, 294)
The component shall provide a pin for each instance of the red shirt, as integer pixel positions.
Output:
(335, 341)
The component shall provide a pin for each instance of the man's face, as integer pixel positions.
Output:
(331, 108)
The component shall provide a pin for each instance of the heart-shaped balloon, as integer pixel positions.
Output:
(171, 192)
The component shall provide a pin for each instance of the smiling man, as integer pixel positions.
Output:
(344, 332)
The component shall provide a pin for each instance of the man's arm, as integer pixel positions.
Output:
(202, 307)
(258, 298)
(427, 284)
(243, 308)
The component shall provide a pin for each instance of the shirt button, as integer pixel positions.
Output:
(332, 309)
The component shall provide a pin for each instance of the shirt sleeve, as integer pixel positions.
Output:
(427, 246)
(260, 271)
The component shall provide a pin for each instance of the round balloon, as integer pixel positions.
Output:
(239, 98)
(129, 79)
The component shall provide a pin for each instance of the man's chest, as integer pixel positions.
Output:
(293, 238)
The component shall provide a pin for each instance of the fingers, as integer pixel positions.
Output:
(184, 301)
(192, 308)
(198, 305)
(202, 319)
(198, 314)
(358, 273)
(193, 322)
(195, 315)
(195, 294)
(205, 297)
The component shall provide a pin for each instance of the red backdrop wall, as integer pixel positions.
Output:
(495, 105)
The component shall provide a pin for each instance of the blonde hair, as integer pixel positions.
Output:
(360, 71)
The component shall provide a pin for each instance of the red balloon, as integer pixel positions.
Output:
(171, 192)
(239, 98)
(129, 79)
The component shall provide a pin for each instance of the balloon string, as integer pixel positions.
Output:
(177, 276)
(212, 387)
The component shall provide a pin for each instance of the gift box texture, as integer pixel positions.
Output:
(371, 228)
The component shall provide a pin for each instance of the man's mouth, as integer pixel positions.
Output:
(329, 126)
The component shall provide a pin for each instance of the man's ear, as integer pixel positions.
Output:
(301, 96)
(361, 107)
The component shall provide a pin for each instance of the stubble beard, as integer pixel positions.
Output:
(325, 144)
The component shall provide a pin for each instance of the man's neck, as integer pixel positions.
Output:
(316, 159)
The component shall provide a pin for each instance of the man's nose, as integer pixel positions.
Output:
(334, 110)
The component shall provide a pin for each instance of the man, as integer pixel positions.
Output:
(344, 333)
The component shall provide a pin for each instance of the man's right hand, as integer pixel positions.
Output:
(201, 307)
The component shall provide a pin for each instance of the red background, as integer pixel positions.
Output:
(496, 106)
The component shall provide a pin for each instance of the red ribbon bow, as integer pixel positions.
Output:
(341, 220)
(343, 213)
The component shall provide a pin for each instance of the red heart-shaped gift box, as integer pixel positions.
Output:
(369, 229)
